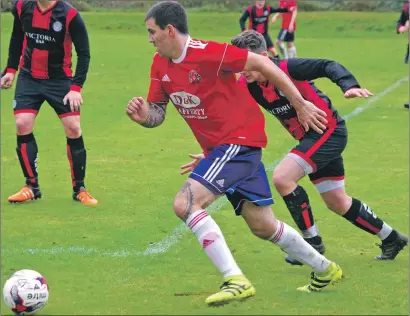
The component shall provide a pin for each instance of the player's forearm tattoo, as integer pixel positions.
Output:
(156, 114)
(186, 192)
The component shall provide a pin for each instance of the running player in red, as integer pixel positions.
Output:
(41, 44)
(258, 16)
(316, 155)
(288, 28)
(403, 27)
(198, 77)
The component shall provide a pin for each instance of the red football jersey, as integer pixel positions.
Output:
(202, 86)
(287, 17)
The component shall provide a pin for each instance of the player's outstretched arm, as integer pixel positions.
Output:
(310, 69)
(147, 114)
(281, 10)
(275, 17)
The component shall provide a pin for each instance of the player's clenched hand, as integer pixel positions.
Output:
(191, 166)
(310, 116)
(7, 80)
(357, 93)
(137, 109)
(75, 100)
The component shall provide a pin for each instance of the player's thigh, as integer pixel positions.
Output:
(268, 40)
(28, 96)
(226, 166)
(281, 35)
(230, 168)
(329, 177)
(72, 124)
(254, 189)
(289, 169)
(289, 38)
(55, 91)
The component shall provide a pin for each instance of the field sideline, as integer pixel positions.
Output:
(131, 255)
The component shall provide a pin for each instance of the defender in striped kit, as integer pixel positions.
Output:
(41, 46)
(317, 155)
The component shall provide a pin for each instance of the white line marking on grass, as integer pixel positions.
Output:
(174, 237)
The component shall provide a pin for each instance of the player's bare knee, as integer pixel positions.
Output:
(24, 124)
(339, 206)
(179, 204)
(72, 130)
(184, 206)
(280, 181)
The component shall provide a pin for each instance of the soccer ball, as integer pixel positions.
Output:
(26, 292)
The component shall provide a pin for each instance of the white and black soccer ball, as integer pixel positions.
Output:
(26, 292)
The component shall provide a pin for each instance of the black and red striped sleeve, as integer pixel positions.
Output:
(302, 69)
(79, 36)
(278, 10)
(243, 18)
(16, 40)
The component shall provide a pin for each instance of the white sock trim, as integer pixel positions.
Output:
(310, 232)
(197, 219)
(384, 232)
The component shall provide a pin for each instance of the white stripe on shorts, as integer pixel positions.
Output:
(233, 154)
(218, 164)
(283, 33)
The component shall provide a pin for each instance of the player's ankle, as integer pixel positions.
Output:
(317, 240)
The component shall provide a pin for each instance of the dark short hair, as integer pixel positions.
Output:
(250, 40)
(169, 13)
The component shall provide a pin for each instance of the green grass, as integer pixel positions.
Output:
(134, 174)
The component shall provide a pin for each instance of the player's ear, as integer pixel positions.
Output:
(265, 53)
(170, 29)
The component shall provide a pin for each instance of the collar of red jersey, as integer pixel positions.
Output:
(181, 58)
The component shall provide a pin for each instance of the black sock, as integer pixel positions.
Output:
(299, 207)
(363, 217)
(77, 157)
(27, 152)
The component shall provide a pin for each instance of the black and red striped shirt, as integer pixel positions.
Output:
(301, 71)
(258, 18)
(41, 42)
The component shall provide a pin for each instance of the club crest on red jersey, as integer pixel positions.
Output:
(194, 77)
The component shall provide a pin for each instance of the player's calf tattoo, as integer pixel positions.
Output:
(186, 191)
(156, 114)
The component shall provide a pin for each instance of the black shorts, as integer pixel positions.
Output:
(320, 156)
(268, 40)
(31, 93)
(286, 36)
